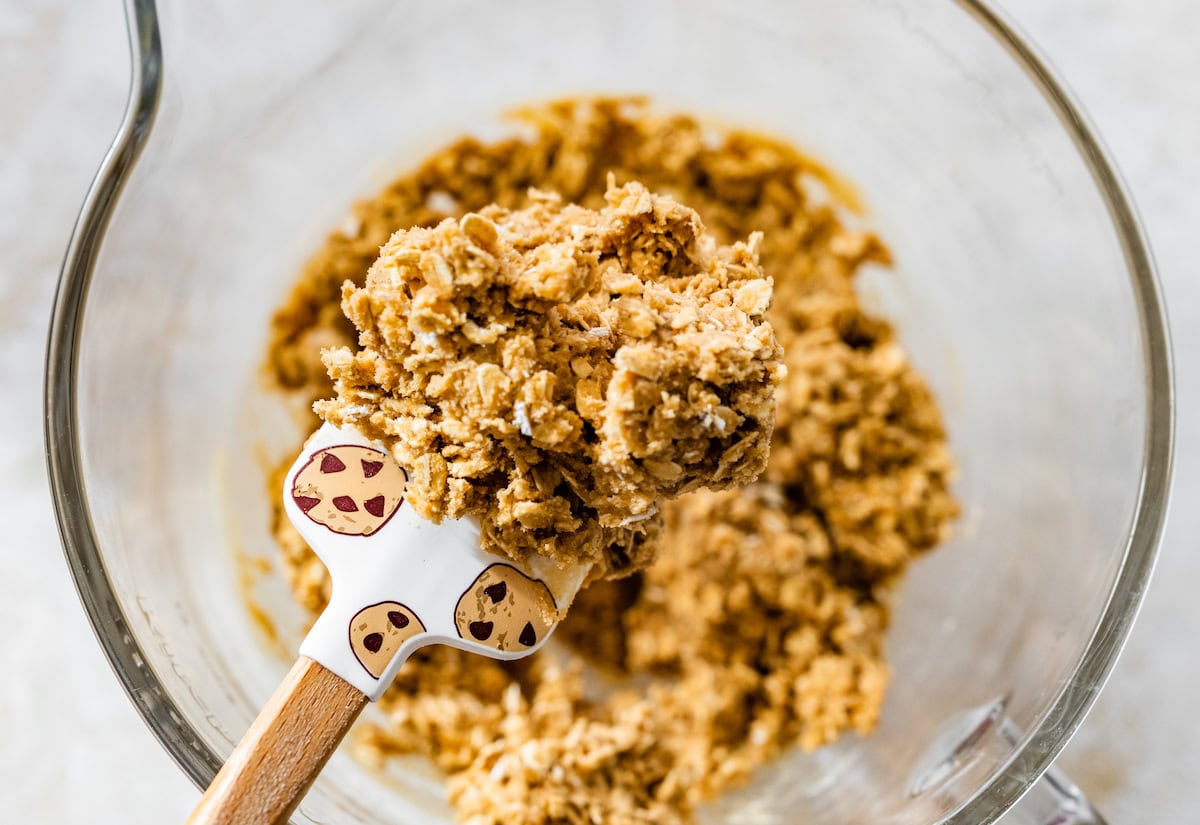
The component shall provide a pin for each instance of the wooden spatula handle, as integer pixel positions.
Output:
(285, 748)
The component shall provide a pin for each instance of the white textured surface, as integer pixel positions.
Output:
(72, 748)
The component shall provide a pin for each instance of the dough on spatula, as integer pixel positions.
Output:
(558, 371)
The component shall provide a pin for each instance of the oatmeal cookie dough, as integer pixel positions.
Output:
(761, 624)
(558, 371)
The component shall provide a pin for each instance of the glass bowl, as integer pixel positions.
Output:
(1023, 290)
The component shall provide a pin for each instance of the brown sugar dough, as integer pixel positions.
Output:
(557, 370)
(761, 623)
(505, 609)
(350, 489)
(377, 632)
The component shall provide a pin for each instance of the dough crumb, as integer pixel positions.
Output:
(559, 371)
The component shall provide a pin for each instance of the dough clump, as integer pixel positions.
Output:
(558, 371)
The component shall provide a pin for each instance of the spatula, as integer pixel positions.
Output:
(399, 583)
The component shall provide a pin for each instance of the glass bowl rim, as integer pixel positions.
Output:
(82, 548)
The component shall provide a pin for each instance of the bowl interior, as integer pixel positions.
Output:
(1010, 292)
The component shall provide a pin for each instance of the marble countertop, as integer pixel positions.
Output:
(73, 749)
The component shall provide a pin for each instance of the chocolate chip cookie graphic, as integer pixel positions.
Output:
(349, 489)
(505, 609)
(377, 631)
